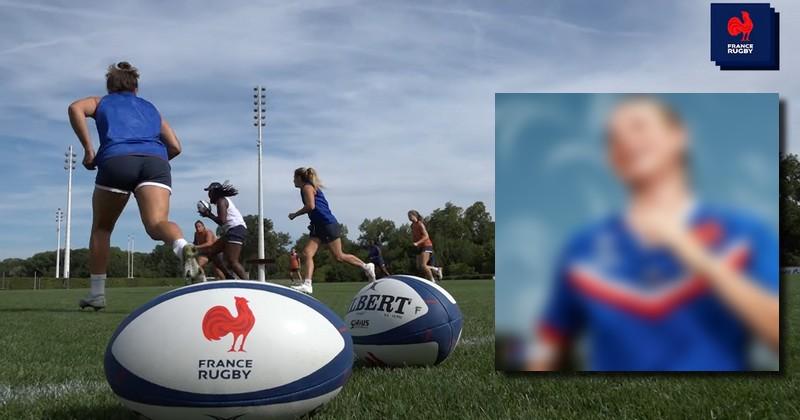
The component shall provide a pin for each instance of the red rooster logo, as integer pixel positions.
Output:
(743, 26)
(218, 322)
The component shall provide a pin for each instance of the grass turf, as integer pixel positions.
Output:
(51, 367)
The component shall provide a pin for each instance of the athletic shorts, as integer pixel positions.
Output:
(325, 233)
(235, 235)
(125, 174)
(429, 250)
(378, 261)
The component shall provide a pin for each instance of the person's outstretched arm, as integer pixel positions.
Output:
(78, 112)
(308, 202)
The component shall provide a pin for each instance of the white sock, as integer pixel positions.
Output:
(177, 246)
(98, 282)
(307, 282)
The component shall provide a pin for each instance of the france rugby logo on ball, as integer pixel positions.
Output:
(232, 349)
(403, 320)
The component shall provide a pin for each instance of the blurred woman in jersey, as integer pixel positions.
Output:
(203, 239)
(232, 222)
(376, 257)
(669, 283)
(323, 229)
(136, 145)
(424, 245)
(294, 268)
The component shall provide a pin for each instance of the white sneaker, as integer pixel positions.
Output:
(369, 268)
(439, 273)
(96, 302)
(191, 269)
(305, 288)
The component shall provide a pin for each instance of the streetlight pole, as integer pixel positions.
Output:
(259, 101)
(130, 255)
(59, 218)
(69, 165)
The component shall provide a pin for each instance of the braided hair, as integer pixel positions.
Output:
(226, 189)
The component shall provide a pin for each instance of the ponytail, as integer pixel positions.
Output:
(309, 175)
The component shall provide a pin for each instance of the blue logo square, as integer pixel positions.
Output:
(744, 36)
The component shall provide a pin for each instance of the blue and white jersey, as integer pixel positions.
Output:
(128, 125)
(641, 309)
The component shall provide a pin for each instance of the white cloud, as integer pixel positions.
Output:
(393, 102)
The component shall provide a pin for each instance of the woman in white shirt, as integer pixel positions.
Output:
(232, 222)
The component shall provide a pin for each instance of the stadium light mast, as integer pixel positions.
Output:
(69, 165)
(59, 218)
(259, 102)
(130, 255)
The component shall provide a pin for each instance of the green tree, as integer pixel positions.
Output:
(275, 243)
(790, 210)
(375, 230)
(463, 241)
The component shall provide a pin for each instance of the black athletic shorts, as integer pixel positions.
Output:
(125, 174)
(235, 235)
(325, 233)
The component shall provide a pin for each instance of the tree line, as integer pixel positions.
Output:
(463, 243)
(790, 210)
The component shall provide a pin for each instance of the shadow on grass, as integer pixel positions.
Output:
(89, 412)
(60, 311)
(358, 364)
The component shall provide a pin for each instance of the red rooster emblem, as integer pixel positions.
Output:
(743, 26)
(218, 322)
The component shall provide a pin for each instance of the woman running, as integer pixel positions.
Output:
(376, 257)
(232, 222)
(667, 283)
(424, 245)
(324, 228)
(136, 144)
(204, 238)
(294, 268)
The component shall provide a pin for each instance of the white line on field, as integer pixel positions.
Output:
(32, 393)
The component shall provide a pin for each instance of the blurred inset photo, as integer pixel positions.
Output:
(637, 232)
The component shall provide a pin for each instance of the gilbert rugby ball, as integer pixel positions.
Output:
(403, 320)
(229, 350)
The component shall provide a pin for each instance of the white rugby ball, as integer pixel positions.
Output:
(229, 349)
(403, 320)
(203, 206)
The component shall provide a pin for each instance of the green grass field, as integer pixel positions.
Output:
(51, 368)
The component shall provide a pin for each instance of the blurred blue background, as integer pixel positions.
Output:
(552, 178)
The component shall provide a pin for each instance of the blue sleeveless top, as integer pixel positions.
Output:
(321, 215)
(128, 125)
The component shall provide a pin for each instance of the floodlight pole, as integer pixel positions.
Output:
(69, 165)
(130, 255)
(59, 218)
(259, 102)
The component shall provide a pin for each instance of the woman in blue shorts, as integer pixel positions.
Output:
(324, 228)
(136, 145)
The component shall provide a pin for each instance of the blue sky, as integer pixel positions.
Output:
(392, 101)
(545, 137)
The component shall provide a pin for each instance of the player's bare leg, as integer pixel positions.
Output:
(106, 208)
